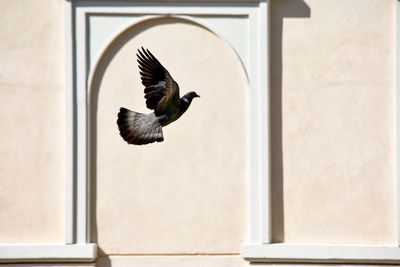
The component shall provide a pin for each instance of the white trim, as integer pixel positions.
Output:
(95, 62)
(302, 253)
(69, 149)
(79, 72)
(397, 104)
(250, 46)
(82, 181)
(47, 253)
(265, 146)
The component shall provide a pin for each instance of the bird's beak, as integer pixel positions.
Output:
(197, 95)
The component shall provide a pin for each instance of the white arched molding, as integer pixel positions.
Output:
(95, 26)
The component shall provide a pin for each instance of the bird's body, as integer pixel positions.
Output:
(162, 96)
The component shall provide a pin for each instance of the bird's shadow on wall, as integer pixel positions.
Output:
(279, 11)
(107, 57)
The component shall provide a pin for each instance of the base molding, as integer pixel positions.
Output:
(22, 253)
(170, 261)
(304, 253)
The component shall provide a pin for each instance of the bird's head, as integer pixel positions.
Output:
(189, 96)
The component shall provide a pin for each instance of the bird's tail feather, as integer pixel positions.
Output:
(138, 128)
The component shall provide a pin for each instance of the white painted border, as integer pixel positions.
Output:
(69, 97)
(319, 253)
(77, 213)
(47, 253)
(397, 122)
(257, 70)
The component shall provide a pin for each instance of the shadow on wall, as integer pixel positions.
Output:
(106, 59)
(279, 10)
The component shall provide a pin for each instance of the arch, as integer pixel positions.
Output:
(242, 26)
(120, 37)
(109, 51)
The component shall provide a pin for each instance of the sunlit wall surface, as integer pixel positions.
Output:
(333, 121)
(187, 194)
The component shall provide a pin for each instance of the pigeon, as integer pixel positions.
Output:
(162, 95)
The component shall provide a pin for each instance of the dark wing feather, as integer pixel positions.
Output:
(160, 88)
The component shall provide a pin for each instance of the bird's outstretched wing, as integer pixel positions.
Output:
(160, 90)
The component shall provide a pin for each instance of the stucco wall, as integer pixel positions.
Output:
(188, 193)
(333, 162)
(32, 120)
(333, 121)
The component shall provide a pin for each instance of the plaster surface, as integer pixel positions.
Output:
(188, 193)
(333, 92)
(171, 261)
(32, 120)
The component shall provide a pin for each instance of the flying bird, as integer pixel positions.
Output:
(162, 95)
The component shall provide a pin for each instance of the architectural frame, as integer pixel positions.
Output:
(77, 247)
(82, 65)
(204, 13)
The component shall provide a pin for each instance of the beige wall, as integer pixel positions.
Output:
(332, 82)
(172, 261)
(187, 194)
(333, 94)
(32, 120)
